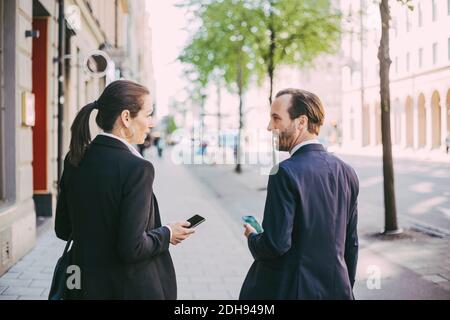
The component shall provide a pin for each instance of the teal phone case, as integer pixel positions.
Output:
(251, 220)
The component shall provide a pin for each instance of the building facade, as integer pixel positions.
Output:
(420, 75)
(29, 96)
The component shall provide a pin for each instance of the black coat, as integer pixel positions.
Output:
(107, 204)
(309, 247)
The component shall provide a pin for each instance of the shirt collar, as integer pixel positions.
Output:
(304, 143)
(129, 146)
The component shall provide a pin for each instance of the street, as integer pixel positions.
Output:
(81, 80)
(422, 190)
(420, 253)
(212, 264)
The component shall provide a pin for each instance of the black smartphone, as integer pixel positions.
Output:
(195, 220)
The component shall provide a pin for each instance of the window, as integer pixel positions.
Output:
(420, 57)
(396, 65)
(448, 49)
(448, 7)
(419, 13)
(408, 21)
(407, 62)
(352, 124)
(7, 102)
(434, 10)
(2, 176)
(435, 53)
(394, 26)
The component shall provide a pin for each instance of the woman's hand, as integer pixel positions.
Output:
(180, 232)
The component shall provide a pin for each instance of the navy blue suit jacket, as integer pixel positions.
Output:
(309, 247)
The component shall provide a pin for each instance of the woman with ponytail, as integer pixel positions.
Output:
(107, 207)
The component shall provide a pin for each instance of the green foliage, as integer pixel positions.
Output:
(171, 126)
(218, 46)
(408, 3)
(302, 30)
(255, 36)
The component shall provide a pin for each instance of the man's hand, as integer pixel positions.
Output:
(248, 230)
(180, 232)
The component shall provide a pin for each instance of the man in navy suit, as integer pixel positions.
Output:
(309, 246)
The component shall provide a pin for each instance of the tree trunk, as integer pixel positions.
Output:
(219, 113)
(271, 69)
(271, 64)
(238, 168)
(390, 213)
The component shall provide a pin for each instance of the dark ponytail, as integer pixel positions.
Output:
(118, 96)
(81, 135)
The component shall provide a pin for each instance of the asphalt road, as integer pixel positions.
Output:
(422, 190)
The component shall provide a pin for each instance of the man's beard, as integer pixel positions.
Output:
(284, 139)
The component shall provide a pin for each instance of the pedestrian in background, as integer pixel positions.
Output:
(107, 206)
(308, 248)
(447, 142)
(160, 145)
(147, 144)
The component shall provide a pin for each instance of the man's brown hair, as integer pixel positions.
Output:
(304, 103)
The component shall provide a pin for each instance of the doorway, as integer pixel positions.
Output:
(41, 193)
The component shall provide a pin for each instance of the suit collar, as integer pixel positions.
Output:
(308, 148)
(106, 141)
(304, 143)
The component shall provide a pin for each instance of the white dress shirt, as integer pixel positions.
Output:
(304, 143)
(133, 151)
(129, 146)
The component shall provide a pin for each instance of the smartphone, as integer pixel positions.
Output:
(195, 220)
(251, 220)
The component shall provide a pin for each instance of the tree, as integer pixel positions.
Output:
(293, 32)
(220, 45)
(171, 125)
(246, 38)
(390, 210)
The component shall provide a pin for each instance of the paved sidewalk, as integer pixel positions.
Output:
(31, 277)
(413, 266)
(211, 264)
(431, 156)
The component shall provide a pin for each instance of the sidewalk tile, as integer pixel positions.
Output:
(31, 298)
(36, 276)
(14, 282)
(2, 297)
(45, 293)
(23, 291)
(40, 284)
(435, 278)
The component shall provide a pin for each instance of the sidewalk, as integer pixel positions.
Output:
(211, 264)
(30, 278)
(412, 266)
(432, 156)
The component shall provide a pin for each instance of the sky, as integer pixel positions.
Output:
(167, 22)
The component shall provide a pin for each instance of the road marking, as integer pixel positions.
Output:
(445, 211)
(426, 205)
(422, 187)
(366, 183)
(427, 228)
